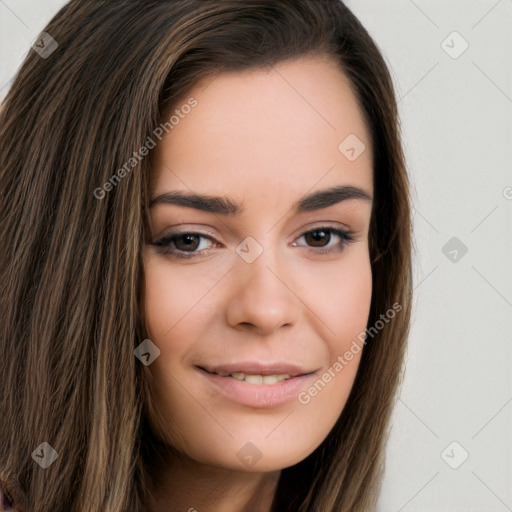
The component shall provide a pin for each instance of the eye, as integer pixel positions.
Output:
(189, 244)
(318, 237)
(185, 244)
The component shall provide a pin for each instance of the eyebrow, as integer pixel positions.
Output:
(225, 206)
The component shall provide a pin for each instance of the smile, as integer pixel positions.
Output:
(257, 379)
(254, 389)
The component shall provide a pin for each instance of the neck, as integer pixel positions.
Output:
(187, 485)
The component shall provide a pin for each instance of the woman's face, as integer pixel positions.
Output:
(261, 281)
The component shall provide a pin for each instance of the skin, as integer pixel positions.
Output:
(264, 139)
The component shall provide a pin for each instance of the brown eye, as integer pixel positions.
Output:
(315, 238)
(184, 245)
(186, 242)
(321, 239)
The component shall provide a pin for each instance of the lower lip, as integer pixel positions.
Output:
(264, 396)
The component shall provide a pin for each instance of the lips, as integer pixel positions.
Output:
(256, 390)
(256, 368)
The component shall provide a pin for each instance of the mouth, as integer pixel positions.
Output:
(261, 387)
(256, 379)
(257, 373)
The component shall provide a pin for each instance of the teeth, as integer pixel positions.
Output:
(260, 379)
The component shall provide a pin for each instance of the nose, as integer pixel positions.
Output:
(263, 299)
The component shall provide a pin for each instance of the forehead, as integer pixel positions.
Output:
(276, 131)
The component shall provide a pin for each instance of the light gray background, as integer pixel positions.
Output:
(457, 125)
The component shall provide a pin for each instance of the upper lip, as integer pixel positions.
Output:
(257, 368)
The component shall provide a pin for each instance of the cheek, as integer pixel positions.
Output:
(175, 312)
(349, 301)
(342, 302)
(175, 301)
(340, 295)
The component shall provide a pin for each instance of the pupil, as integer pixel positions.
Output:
(318, 235)
(189, 240)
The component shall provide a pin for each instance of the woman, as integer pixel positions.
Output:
(178, 335)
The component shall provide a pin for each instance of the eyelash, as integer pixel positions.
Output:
(163, 244)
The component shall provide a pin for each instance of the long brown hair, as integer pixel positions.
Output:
(70, 263)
